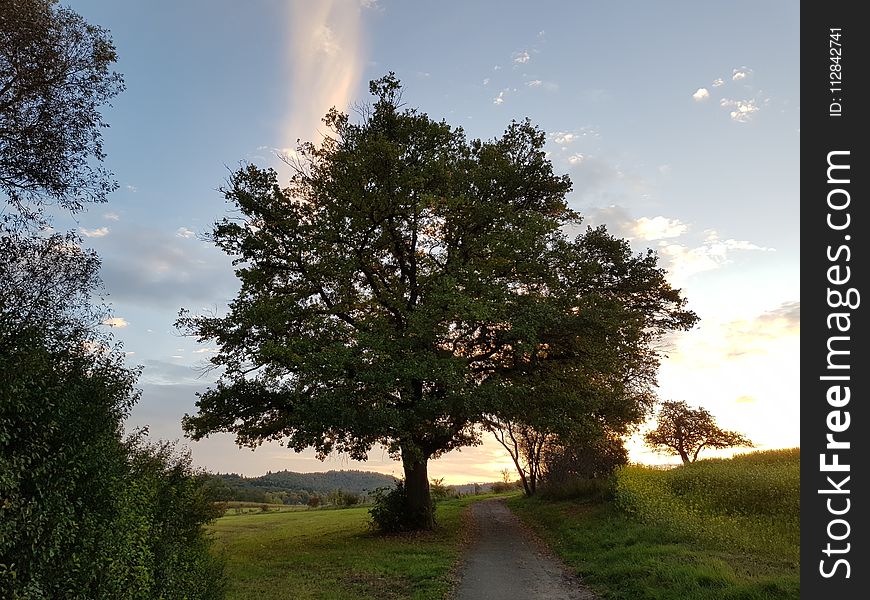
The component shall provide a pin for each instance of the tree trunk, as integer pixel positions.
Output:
(419, 501)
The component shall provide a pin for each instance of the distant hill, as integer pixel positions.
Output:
(288, 487)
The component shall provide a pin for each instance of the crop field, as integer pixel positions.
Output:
(333, 554)
(725, 529)
(750, 502)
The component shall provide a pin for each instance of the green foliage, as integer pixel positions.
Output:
(750, 502)
(389, 513)
(582, 457)
(55, 75)
(85, 514)
(684, 432)
(410, 283)
(596, 489)
(61, 464)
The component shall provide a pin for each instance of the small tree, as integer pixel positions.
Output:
(685, 431)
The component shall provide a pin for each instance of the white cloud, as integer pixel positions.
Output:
(718, 82)
(664, 170)
(95, 233)
(486, 81)
(184, 232)
(370, 4)
(683, 262)
(534, 83)
(564, 138)
(740, 73)
(206, 350)
(499, 99)
(521, 58)
(742, 110)
(577, 158)
(132, 188)
(701, 94)
(110, 216)
(658, 228)
(118, 322)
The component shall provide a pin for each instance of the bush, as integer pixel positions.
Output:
(578, 488)
(83, 513)
(595, 458)
(313, 501)
(389, 513)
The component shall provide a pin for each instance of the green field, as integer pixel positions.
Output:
(334, 555)
(726, 529)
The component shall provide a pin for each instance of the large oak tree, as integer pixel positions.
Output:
(409, 284)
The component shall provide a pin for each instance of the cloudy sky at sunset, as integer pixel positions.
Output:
(678, 123)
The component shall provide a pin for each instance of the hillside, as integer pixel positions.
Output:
(288, 487)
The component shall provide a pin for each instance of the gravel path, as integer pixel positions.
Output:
(505, 562)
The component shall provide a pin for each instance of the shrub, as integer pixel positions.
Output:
(578, 488)
(389, 513)
(569, 460)
(314, 501)
(83, 513)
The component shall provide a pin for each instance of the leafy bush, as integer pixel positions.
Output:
(389, 513)
(579, 488)
(582, 458)
(83, 513)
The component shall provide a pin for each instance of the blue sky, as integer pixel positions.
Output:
(678, 123)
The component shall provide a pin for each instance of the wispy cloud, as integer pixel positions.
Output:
(683, 262)
(499, 99)
(184, 232)
(521, 58)
(576, 158)
(326, 57)
(718, 82)
(110, 216)
(95, 233)
(534, 83)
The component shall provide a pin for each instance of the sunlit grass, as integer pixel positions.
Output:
(717, 529)
(333, 554)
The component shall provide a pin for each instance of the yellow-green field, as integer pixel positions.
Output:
(724, 529)
(334, 555)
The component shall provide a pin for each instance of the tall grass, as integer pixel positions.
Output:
(748, 503)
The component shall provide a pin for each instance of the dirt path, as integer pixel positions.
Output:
(504, 562)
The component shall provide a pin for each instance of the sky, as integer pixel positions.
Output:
(678, 123)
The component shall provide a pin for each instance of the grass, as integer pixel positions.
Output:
(334, 555)
(725, 529)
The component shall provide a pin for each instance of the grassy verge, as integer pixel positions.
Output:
(693, 533)
(333, 555)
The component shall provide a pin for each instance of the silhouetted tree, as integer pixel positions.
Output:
(685, 431)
